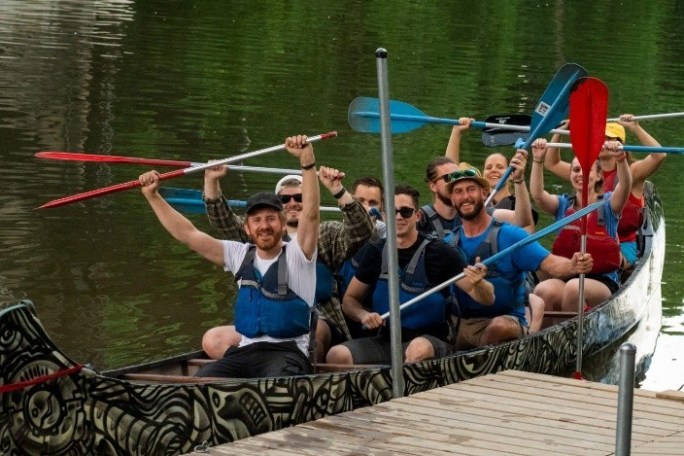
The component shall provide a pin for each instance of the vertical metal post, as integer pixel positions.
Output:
(623, 435)
(392, 261)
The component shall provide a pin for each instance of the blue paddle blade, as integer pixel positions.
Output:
(190, 201)
(364, 116)
(552, 107)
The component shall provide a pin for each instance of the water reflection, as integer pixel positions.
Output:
(197, 80)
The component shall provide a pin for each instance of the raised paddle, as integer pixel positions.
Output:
(172, 174)
(81, 157)
(588, 109)
(505, 136)
(628, 148)
(505, 252)
(364, 116)
(550, 110)
(190, 201)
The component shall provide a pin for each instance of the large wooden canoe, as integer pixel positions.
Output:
(52, 405)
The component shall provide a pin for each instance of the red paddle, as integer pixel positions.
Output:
(588, 109)
(75, 156)
(171, 174)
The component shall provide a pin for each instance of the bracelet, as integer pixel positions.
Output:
(309, 166)
(339, 194)
(519, 181)
(621, 159)
(538, 161)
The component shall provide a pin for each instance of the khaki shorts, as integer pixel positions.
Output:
(471, 330)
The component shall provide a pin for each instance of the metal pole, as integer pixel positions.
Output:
(392, 261)
(623, 436)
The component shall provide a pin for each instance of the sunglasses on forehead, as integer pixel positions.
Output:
(286, 198)
(405, 211)
(454, 175)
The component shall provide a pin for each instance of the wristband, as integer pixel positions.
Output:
(538, 161)
(309, 166)
(519, 181)
(621, 159)
(339, 194)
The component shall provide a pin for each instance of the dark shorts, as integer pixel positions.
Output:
(260, 359)
(378, 349)
(607, 281)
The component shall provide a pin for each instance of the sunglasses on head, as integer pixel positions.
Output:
(405, 211)
(286, 198)
(454, 175)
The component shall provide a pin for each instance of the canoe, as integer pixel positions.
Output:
(53, 405)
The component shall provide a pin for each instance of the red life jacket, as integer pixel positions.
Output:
(632, 215)
(603, 248)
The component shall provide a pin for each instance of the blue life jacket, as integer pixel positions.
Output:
(325, 282)
(509, 288)
(436, 222)
(430, 311)
(266, 306)
(325, 279)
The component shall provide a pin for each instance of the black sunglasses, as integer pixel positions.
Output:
(286, 198)
(405, 211)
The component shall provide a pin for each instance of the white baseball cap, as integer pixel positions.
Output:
(290, 177)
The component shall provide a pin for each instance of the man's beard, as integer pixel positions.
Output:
(444, 199)
(293, 223)
(479, 206)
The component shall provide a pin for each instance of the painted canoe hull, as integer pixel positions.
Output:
(95, 413)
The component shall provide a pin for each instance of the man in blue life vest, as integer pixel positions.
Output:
(277, 279)
(481, 236)
(424, 262)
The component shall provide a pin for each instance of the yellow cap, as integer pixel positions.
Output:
(615, 130)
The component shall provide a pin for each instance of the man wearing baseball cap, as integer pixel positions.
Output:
(276, 279)
(337, 242)
(480, 236)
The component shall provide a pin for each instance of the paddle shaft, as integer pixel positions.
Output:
(172, 174)
(627, 148)
(74, 156)
(505, 252)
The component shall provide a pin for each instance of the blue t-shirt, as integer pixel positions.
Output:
(507, 274)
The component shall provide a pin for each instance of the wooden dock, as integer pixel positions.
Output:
(512, 412)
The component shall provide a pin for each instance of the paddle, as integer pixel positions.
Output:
(505, 252)
(364, 116)
(74, 156)
(172, 174)
(190, 201)
(588, 108)
(627, 148)
(503, 136)
(508, 128)
(551, 109)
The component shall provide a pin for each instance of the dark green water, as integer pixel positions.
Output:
(198, 80)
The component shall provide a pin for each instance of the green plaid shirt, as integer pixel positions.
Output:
(337, 242)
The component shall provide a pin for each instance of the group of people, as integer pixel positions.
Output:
(312, 291)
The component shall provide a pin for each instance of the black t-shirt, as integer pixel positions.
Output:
(442, 261)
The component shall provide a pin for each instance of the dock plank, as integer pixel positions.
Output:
(510, 413)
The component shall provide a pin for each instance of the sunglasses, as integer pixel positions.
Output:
(444, 177)
(405, 211)
(455, 175)
(286, 198)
